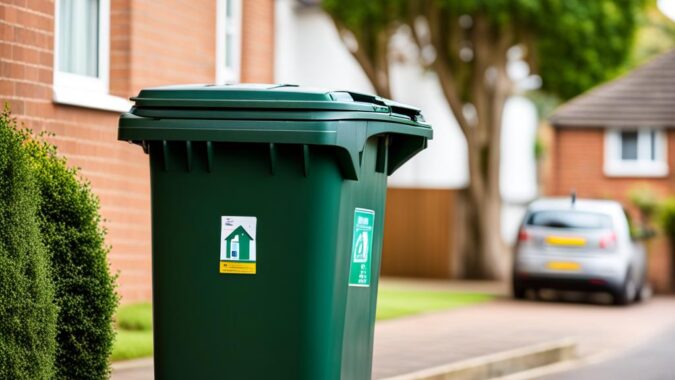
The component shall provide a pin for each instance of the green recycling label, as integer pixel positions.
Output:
(362, 247)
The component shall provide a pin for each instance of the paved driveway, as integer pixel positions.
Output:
(652, 360)
(409, 344)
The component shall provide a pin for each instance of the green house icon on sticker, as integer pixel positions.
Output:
(238, 245)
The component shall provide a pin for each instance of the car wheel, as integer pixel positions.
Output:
(627, 292)
(639, 293)
(519, 292)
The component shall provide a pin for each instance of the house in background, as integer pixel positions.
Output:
(69, 66)
(617, 137)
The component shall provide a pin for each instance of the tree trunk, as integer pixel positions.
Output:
(481, 252)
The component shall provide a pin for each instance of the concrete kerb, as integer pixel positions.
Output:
(499, 364)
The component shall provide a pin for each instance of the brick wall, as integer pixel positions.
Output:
(578, 157)
(257, 45)
(151, 43)
(577, 163)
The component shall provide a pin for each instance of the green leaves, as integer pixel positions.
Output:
(27, 308)
(57, 296)
(582, 43)
(575, 44)
(69, 221)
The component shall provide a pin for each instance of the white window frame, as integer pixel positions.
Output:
(226, 74)
(643, 166)
(80, 90)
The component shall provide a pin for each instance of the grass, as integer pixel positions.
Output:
(395, 303)
(134, 322)
(134, 332)
(132, 345)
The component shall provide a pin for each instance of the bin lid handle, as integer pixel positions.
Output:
(395, 108)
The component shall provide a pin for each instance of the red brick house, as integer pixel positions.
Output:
(616, 137)
(69, 66)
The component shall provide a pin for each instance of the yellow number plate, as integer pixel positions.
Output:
(564, 265)
(571, 241)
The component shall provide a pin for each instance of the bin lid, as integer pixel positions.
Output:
(270, 97)
(270, 113)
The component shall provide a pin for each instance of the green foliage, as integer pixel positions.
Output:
(539, 148)
(358, 15)
(574, 44)
(655, 35)
(666, 217)
(27, 310)
(85, 291)
(645, 200)
(581, 43)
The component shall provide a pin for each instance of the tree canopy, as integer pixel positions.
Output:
(573, 44)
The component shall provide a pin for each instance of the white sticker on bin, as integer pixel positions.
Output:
(237, 244)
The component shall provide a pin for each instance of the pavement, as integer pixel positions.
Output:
(652, 360)
(415, 343)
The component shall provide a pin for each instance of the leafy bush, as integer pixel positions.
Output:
(85, 290)
(667, 217)
(27, 310)
(645, 200)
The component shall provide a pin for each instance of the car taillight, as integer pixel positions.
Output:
(523, 236)
(608, 241)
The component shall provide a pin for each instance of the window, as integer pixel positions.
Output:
(635, 153)
(228, 41)
(569, 219)
(81, 55)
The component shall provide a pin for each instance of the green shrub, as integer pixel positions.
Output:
(27, 310)
(645, 200)
(667, 217)
(85, 290)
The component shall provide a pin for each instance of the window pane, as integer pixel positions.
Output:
(228, 50)
(652, 145)
(629, 145)
(228, 9)
(569, 219)
(78, 37)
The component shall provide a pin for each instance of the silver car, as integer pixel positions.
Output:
(583, 245)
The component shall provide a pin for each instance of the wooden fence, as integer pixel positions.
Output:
(418, 233)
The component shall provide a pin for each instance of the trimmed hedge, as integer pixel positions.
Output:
(85, 290)
(27, 309)
(667, 217)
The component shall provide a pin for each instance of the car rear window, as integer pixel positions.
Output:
(569, 219)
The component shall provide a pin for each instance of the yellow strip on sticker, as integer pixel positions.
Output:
(237, 268)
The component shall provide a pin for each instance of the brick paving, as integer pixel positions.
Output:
(409, 344)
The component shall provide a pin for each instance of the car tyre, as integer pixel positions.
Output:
(627, 292)
(639, 293)
(519, 292)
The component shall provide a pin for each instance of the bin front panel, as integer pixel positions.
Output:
(296, 317)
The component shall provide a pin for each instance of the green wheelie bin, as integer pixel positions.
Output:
(267, 223)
